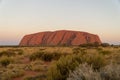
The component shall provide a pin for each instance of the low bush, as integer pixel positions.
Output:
(51, 56)
(11, 52)
(7, 53)
(57, 55)
(96, 60)
(36, 55)
(60, 69)
(4, 61)
(45, 56)
(84, 72)
(38, 66)
(110, 72)
(19, 51)
(79, 50)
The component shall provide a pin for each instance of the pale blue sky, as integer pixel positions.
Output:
(20, 17)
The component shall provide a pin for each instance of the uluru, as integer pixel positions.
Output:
(60, 37)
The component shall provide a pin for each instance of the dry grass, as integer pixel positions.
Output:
(86, 72)
(21, 67)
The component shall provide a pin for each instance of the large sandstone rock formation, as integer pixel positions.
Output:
(61, 37)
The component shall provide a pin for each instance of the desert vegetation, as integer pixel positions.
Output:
(60, 63)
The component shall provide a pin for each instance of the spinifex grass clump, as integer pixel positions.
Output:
(18, 51)
(51, 56)
(45, 56)
(36, 55)
(11, 52)
(4, 61)
(7, 53)
(97, 61)
(39, 66)
(60, 69)
(79, 50)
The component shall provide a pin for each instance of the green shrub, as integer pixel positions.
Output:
(4, 61)
(45, 56)
(60, 70)
(96, 60)
(57, 55)
(51, 56)
(36, 55)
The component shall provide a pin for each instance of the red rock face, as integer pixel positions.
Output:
(62, 37)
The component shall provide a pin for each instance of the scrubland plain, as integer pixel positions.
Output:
(60, 63)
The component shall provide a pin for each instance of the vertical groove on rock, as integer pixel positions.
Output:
(51, 41)
(71, 39)
(62, 39)
(43, 39)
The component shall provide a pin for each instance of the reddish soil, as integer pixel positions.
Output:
(28, 73)
(25, 60)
